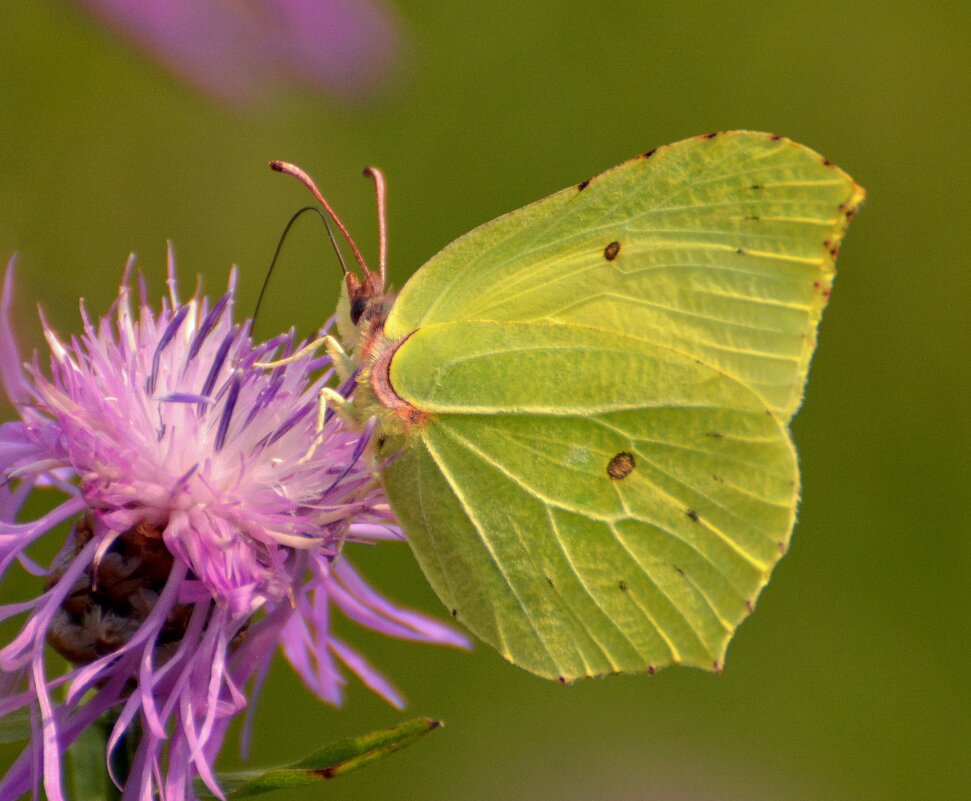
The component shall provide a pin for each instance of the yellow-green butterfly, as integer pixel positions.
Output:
(582, 407)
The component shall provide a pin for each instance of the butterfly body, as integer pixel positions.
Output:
(582, 407)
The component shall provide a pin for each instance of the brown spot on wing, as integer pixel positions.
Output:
(621, 466)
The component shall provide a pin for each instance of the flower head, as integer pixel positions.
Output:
(238, 51)
(204, 533)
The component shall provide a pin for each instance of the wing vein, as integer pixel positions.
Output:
(446, 473)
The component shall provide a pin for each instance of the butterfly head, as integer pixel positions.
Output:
(361, 312)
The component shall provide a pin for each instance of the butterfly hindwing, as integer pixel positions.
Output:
(588, 503)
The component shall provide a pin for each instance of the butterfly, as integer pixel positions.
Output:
(582, 407)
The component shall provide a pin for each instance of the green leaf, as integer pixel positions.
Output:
(326, 763)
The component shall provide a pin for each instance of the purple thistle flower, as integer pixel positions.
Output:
(240, 50)
(203, 536)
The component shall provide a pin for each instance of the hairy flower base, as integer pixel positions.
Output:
(206, 534)
(105, 608)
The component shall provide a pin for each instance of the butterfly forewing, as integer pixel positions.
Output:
(588, 503)
(720, 247)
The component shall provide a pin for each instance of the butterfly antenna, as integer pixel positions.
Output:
(307, 181)
(380, 188)
(279, 247)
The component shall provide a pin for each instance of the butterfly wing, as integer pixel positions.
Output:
(602, 479)
(588, 503)
(721, 247)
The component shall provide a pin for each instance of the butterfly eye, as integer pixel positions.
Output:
(358, 305)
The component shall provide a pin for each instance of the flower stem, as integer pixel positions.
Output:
(88, 768)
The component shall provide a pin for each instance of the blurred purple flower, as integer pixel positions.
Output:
(203, 536)
(240, 50)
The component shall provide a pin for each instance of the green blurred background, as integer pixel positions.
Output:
(849, 682)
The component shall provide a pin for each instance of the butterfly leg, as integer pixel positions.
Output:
(329, 398)
(342, 362)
